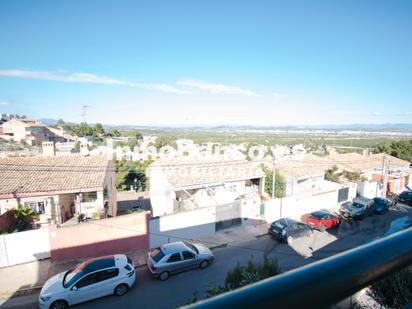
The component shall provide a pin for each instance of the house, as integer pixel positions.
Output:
(373, 168)
(29, 131)
(178, 185)
(59, 188)
(298, 170)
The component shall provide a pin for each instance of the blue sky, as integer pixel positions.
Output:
(208, 62)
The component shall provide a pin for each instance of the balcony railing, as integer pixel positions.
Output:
(325, 282)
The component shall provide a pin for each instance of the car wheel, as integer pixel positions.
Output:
(121, 289)
(164, 275)
(204, 264)
(59, 304)
(323, 228)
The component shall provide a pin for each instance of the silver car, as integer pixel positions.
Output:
(176, 257)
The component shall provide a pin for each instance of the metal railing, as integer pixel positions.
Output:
(325, 282)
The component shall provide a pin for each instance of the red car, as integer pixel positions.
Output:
(322, 220)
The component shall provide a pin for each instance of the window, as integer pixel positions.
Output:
(88, 280)
(108, 273)
(157, 254)
(89, 197)
(188, 255)
(38, 207)
(175, 257)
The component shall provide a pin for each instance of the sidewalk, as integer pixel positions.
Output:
(24, 279)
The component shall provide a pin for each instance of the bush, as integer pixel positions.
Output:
(394, 291)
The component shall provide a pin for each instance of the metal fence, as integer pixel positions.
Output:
(325, 282)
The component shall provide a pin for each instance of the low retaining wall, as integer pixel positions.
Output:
(100, 237)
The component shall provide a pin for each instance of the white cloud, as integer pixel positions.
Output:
(215, 88)
(4, 103)
(377, 114)
(88, 78)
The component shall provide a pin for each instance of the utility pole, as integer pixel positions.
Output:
(385, 176)
(384, 179)
(273, 176)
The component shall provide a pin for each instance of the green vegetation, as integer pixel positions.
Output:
(401, 149)
(131, 174)
(280, 184)
(164, 140)
(331, 174)
(394, 291)
(241, 276)
(20, 218)
(97, 131)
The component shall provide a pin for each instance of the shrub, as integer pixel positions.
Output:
(394, 291)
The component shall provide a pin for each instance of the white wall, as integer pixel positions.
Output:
(162, 196)
(24, 247)
(292, 207)
(180, 226)
(368, 189)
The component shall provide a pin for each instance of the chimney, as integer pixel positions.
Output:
(49, 149)
(84, 148)
(365, 152)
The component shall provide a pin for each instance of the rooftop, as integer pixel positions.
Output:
(28, 176)
(303, 165)
(179, 173)
(354, 162)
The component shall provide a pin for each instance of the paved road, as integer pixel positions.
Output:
(177, 290)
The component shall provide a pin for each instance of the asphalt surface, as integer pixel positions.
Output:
(178, 289)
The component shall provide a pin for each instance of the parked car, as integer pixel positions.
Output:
(91, 279)
(405, 197)
(357, 209)
(381, 205)
(286, 229)
(321, 219)
(176, 257)
(135, 209)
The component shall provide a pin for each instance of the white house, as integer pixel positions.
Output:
(186, 185)
(58, 188)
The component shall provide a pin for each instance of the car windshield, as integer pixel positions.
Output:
(318, 215)
(279, 224)
(357, 205)
(157, 254)
(194, 249)
(72, 276)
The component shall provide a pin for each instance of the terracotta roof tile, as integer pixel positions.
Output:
(25, 175)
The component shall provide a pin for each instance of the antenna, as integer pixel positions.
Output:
(84, 118)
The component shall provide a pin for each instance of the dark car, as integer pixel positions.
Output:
(381, 205)
(405, 198)
(321, 219)
(287, 229)
(357, 209)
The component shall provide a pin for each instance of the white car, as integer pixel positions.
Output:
(91, 279)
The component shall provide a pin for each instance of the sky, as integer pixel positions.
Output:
(208, 62)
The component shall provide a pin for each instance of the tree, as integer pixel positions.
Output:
(331, 175)
(98, 129)
(163, 141)
(23, 216)
(401, 149)
(60, 122)
(131, 173)
(280, 184)
(139, 136)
